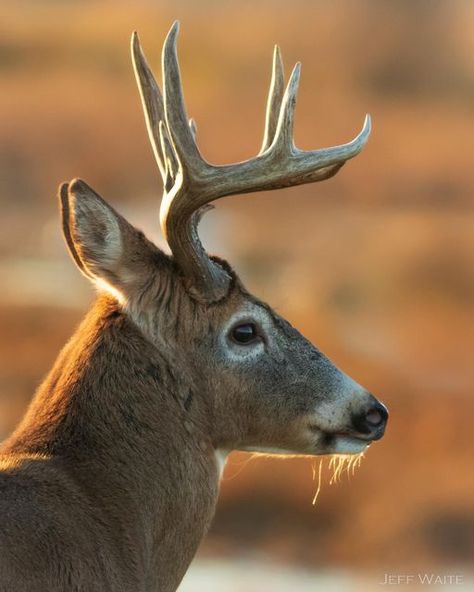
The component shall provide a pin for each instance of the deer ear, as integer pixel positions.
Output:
(105, 247)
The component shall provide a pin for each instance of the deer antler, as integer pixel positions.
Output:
(190, 182)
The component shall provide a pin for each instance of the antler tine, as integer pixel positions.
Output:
(175, 108)
(152, 101)
(327, 161)
(275, 96)
(284, 133)
(277, 167)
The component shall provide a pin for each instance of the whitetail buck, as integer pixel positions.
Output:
(111, 480)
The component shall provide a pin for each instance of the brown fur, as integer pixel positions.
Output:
(110, 481)
(82, 496)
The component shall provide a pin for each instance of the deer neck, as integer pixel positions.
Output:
(115, 413)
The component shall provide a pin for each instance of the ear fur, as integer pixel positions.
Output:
(64, 206)
(105, 247)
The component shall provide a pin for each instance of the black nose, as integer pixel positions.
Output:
(372, 421)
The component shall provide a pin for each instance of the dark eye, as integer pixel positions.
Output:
(245, 333)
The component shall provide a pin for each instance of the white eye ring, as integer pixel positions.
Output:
(236, 350)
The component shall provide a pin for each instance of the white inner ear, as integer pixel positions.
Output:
(113, 241)
(108, 250)
(105, 254)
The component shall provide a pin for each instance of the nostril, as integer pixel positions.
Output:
(372, 419)
(376, 415)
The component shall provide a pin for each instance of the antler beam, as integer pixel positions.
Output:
(190, 182)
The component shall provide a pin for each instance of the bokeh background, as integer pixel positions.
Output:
(375, 266)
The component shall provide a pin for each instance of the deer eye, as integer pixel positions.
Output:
(245, 333)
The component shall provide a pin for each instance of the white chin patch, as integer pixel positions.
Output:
(348, 445)
(221, 458)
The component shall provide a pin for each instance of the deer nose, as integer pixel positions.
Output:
(372, 421)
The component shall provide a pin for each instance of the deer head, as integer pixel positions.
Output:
(250, 380)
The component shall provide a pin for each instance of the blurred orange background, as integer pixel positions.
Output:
(375, 266)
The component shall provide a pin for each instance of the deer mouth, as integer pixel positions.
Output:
(349, 444)
(349, 434)
(342, 442)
